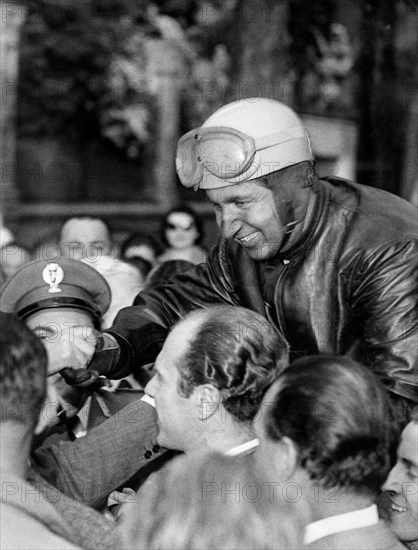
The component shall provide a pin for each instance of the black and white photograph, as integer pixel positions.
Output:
(209, 275)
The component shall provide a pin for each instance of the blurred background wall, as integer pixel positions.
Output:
(95, 94)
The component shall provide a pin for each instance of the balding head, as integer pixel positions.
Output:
(236, 350)
(212, 372)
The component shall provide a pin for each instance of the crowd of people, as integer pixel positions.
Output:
(260, 396)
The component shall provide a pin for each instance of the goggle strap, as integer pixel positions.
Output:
(280, 137)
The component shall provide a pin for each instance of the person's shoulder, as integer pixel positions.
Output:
(34, 531)
(373, 203)
(373, 217)
(372, 537)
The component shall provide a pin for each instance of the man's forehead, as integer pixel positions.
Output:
(408, 447)
(58, 314)
(183, 332)
(239, 190)
(177, 342)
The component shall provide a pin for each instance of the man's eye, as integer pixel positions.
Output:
(412, 473)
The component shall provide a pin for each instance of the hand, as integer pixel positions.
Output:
(117, 502)
(83, 378)
(74, 348)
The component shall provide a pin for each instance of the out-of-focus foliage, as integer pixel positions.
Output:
(324, 56)
(81, 64)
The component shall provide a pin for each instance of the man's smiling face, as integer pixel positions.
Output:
(247, 213)
(401, 487)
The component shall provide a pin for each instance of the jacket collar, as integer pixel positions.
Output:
(313, 228)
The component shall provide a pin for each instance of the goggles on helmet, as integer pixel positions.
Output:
(224, 152)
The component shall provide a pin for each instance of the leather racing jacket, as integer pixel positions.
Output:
(347, 287)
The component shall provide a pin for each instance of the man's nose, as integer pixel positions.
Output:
(229, 223)
(393, 482)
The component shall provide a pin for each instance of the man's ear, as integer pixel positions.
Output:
(207, 400)
(286, 457)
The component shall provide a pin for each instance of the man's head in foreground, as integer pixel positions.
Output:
(401, 486)
(211, 375)
(254, 160)
(327, 424)
(23, 367)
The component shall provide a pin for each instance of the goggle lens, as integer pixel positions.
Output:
(223, 153)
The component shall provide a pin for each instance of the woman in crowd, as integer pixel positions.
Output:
(182, 234)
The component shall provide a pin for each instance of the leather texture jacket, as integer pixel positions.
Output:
(347, 287)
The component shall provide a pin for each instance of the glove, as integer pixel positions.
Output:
(84, 378)
(106, 356)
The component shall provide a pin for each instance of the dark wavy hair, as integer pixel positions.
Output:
(237, 351)
(339, 416)
(23, 369)
(182, 209)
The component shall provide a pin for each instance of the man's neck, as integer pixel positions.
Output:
(330, 502)
(222, 438)
(15, 445)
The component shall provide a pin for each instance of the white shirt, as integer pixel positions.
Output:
(343, 522)
(244, 447)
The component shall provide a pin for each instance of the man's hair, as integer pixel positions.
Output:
(237, 351)
(23, 368)
(339, 416)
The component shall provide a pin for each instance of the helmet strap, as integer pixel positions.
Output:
(291, 223)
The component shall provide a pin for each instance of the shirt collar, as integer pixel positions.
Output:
(244, 447)
(342, 522)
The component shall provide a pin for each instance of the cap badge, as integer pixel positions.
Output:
(53, 275)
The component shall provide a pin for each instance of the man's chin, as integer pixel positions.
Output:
(264, 252)
(403, 527)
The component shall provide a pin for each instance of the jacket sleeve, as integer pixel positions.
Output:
(144, 326)
(91, 467)
(384, 301)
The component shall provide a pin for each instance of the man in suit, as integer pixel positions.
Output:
(327, 432)
(400, 490)
(210, 377)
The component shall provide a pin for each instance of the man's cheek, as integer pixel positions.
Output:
(53, 358)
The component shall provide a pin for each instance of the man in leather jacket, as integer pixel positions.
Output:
(330, 262)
